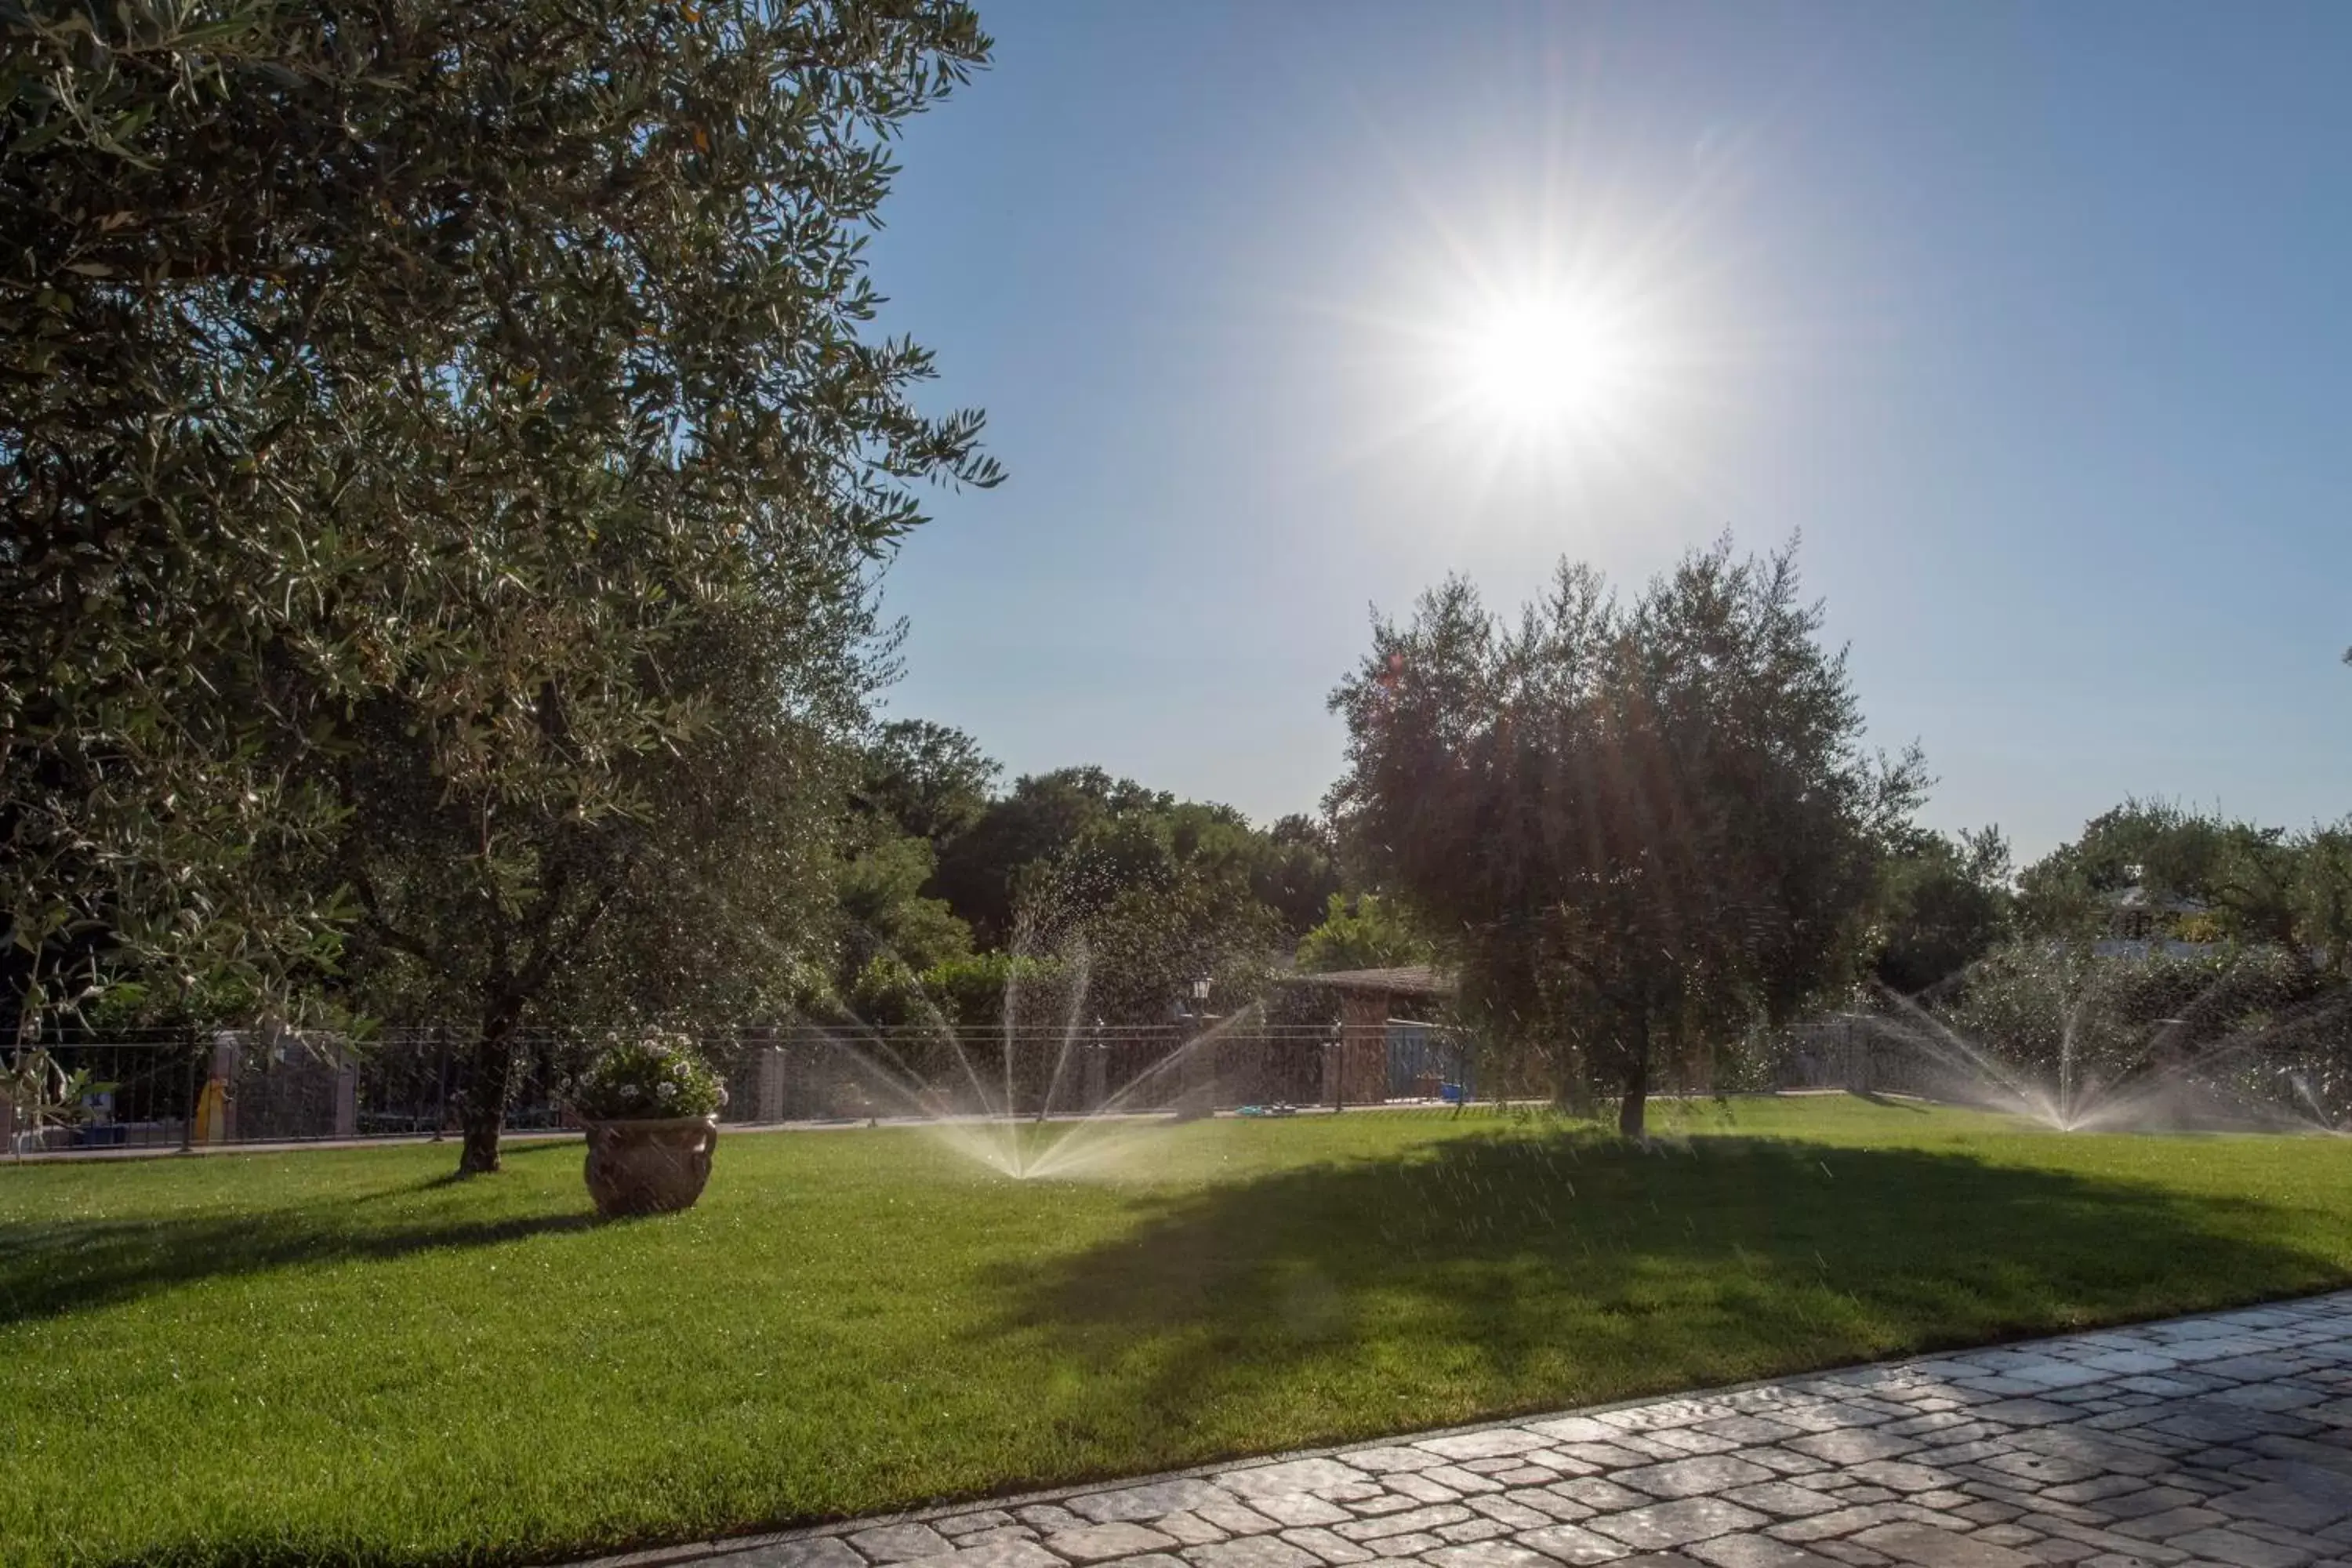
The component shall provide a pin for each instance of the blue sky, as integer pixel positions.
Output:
(2035, 321)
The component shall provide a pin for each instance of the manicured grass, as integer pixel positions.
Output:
(344, 1356)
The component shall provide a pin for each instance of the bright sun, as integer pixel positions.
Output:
(1549, 368)
(1569, 367)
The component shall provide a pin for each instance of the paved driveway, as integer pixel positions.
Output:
(2224, 1439)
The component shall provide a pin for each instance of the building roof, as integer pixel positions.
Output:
(1406, 980)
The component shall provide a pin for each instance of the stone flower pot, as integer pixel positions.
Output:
(657, 1165)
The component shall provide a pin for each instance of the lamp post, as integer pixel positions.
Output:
(1193, 1096)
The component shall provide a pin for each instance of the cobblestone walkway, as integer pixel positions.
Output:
(2222, 1439)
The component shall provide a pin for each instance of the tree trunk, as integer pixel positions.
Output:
(488, 1083)
(1637, 1084)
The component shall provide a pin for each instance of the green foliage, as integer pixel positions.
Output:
(1147, 892)
(450, 464)
(651, 1074)
(975, 993)
(885, 914)
(1941, 905)
(2164, 939)
(1016, 841)
(2323, 897)
(1298, 873)
(931, 781)
(1651, 823)
(2240, 882)
(919, 785)
(1362, 932)
(2261, 1015)
(129, 1007)
(40, 1092)
(1148, 946)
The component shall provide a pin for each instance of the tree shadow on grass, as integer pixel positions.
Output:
(458, 1178)
(1498, 1274)
(53, 1268)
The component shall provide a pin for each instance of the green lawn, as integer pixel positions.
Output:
(345, 1356)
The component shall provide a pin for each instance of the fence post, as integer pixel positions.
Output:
(441, 1090)
(347, 1102)
(229, 1057)
(188, 1093)
(771, 1108)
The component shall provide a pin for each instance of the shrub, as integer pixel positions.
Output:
(968, 992)
(2264, 1019)
(653, 1074)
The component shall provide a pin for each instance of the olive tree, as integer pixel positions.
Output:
(1642, 826)
(447, 462)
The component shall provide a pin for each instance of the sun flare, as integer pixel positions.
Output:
(1553, 352)
(1550, 366)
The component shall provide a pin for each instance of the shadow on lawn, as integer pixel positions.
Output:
(52, 1268)
(1519, 1272)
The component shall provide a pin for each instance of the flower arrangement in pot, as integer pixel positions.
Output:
(650, 1104)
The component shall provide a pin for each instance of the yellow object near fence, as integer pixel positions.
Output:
(212, 1113)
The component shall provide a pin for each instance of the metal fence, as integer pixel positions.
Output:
(264, 1086)
(1854, 1053)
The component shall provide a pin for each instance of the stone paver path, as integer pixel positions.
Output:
(2223, 1439)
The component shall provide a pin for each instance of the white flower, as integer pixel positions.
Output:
(667, 1091)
